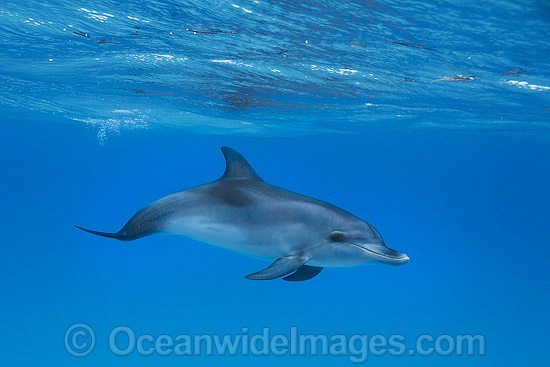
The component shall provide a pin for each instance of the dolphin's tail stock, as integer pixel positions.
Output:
(128, 233)
(120, 235)
(147, 221)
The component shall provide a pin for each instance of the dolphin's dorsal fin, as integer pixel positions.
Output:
(236, 167)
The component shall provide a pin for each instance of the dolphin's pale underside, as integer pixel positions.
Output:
(241, 212)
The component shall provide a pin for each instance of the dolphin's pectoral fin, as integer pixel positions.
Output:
(305, 272)
(282, 266)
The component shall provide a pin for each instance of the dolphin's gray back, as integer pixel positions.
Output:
(239, 211)
(244, 215)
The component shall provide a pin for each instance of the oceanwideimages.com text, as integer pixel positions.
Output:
(80, 341)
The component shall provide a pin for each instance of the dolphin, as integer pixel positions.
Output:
(239, 211)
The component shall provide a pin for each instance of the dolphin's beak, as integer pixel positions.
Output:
(385, 254)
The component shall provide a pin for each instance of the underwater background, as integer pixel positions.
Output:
(428, 119)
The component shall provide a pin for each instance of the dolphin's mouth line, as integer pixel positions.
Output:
(404, 257)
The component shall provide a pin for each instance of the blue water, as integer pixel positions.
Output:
(430, 120)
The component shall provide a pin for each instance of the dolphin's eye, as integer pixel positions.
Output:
(336, 236)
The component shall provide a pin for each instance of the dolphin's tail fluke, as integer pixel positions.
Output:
(118, 235)
(145, 222)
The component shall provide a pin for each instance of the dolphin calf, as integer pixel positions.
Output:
(239, 211)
